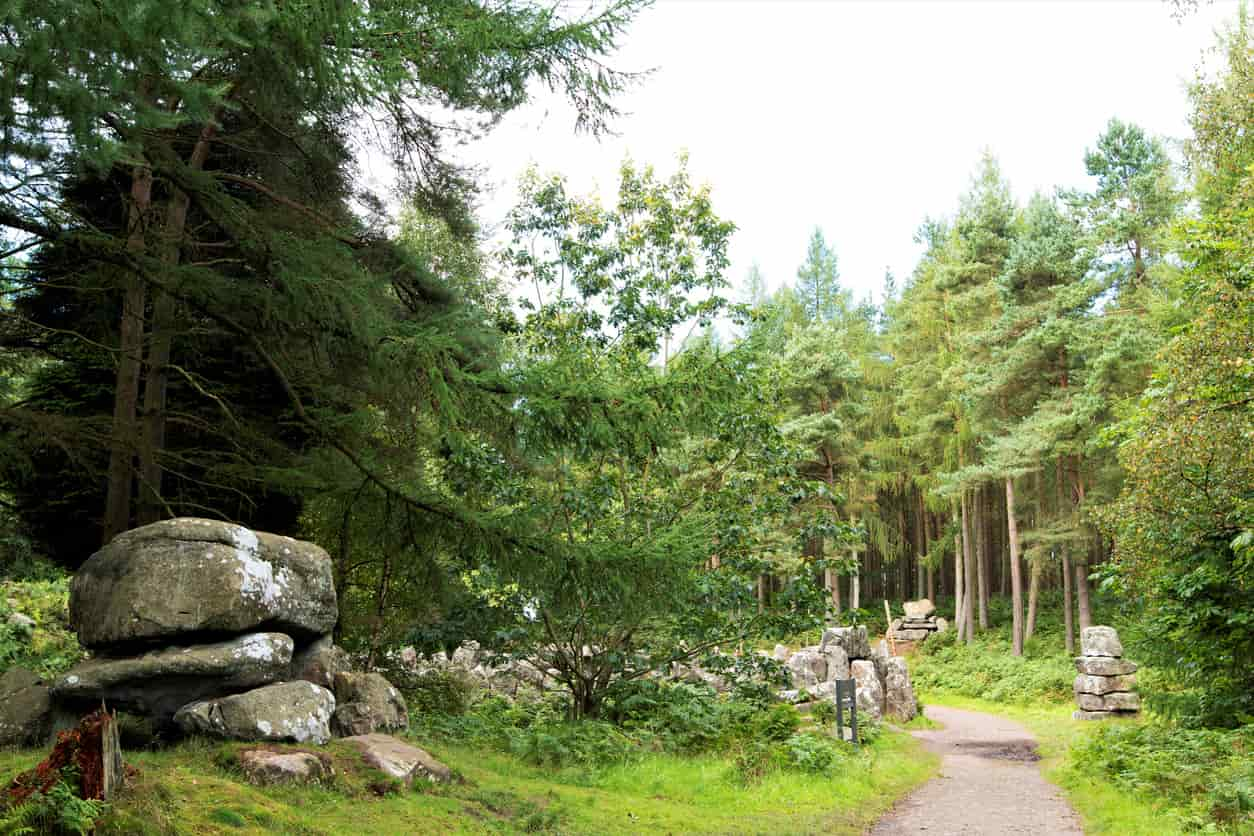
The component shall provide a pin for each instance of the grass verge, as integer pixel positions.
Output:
(189, 789)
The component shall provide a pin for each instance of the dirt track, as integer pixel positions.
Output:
(989, 783)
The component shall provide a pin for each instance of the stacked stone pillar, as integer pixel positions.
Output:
(1104, 686)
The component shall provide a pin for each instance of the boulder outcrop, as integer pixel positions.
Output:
(25, 708)
(299, 712)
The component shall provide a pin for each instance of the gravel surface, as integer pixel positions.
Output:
(989, 783)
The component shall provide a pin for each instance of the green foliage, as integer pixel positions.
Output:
(1208, 775)
(985, 669)
(57, 811)
(815, 753)
(49, 648)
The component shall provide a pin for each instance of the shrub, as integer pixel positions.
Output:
(51, 647)
(436, 692)
(814, 753)
(59, 810)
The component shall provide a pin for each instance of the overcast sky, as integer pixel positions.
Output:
(864, 118)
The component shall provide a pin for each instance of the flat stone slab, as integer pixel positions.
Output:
(194, 577)
(1104, 666)
(1100, 641)
(399, 759)
(289, 711)
(919, 609)
(1085, 684)
(911, 635)
(266, 767)
(1092, 715)
(159, 683)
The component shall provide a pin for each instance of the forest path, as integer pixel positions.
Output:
(989, 783)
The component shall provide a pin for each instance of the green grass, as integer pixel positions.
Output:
(1104, 807)
(188, 789)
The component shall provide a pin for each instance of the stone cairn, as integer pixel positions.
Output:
(1105, 682)
(205, 627)
(920, 622)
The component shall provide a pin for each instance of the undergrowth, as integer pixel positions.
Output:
(50, 646)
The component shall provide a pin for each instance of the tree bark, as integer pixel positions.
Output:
(981, 556)
(1016, 578)
(958, 603)
(117, 516)
(1034, 589)
(855, 582)
(1081, 564)
(969, 573)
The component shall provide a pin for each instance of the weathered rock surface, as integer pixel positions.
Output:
(808, 668)
(907, 635)
(899, 699)
(21, 621)
(918, 609)
(852, 639)
(837, 662)
(293, 711)
(157, 684)
(399, 759)
(25, 708)
(942, 625)
(319, 662)
(1092, 715)
(194, 576)
(1085, 684)
(267, 767)
(1100, 641)
(1104, 666)
(1121, 701)
(870, 692)
(366, 703)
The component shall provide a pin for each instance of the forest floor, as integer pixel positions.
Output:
(989, 783)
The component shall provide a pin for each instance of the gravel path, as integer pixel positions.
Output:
(989, 783)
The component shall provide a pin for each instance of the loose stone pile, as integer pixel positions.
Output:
(216, 629)
(1105, 682)
(883, 682)
(920, 622)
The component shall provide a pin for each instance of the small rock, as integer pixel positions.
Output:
(367, 703)
(266, 767)
(941, 625)
(292, 711)
(919, 609)
(1100, 641)
(781, 653)
(399, 759)
(22, 622)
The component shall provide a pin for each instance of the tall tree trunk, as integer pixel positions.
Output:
(855, 583)
(1016, 578)
(969, 573)
(117, 516)
(981, 556)
(1082, 564)
(959, 625)
(1067, 606)
(1034, 589)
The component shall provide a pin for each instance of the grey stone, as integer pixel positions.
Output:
(1085, 684)
(837, 662)
(781, 653)
(191, 576)
(911, 635)
(366, 703)
(1121, 701)
(158, 683)
(808, 668)
(870, 692)
(1104, 666)
(399, 759)
(1092, 715)
(919, 609)
(267, 767)
(899, 699)
(852, 639)
(293, 711)
(942, 625)
(319, 662)
(21, 621)
(1100, 641)
(25, 708)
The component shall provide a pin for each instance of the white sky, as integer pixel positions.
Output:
(864, 118)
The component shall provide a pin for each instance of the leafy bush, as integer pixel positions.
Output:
(442, 691)
(815, 753)
(59, 810)
(51, 646)
(1207, 774)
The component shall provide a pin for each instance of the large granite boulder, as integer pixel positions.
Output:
(899, 700)
(837, 662)
(398, 759)
(158, 683)
(870, 692)
(918, 609)
(1100, 641)
(366, 703)
(25, 708)
(1104, 666)
(319, 662)
(853, 640)
(194, 577)
(807, 667)
(291, 711)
